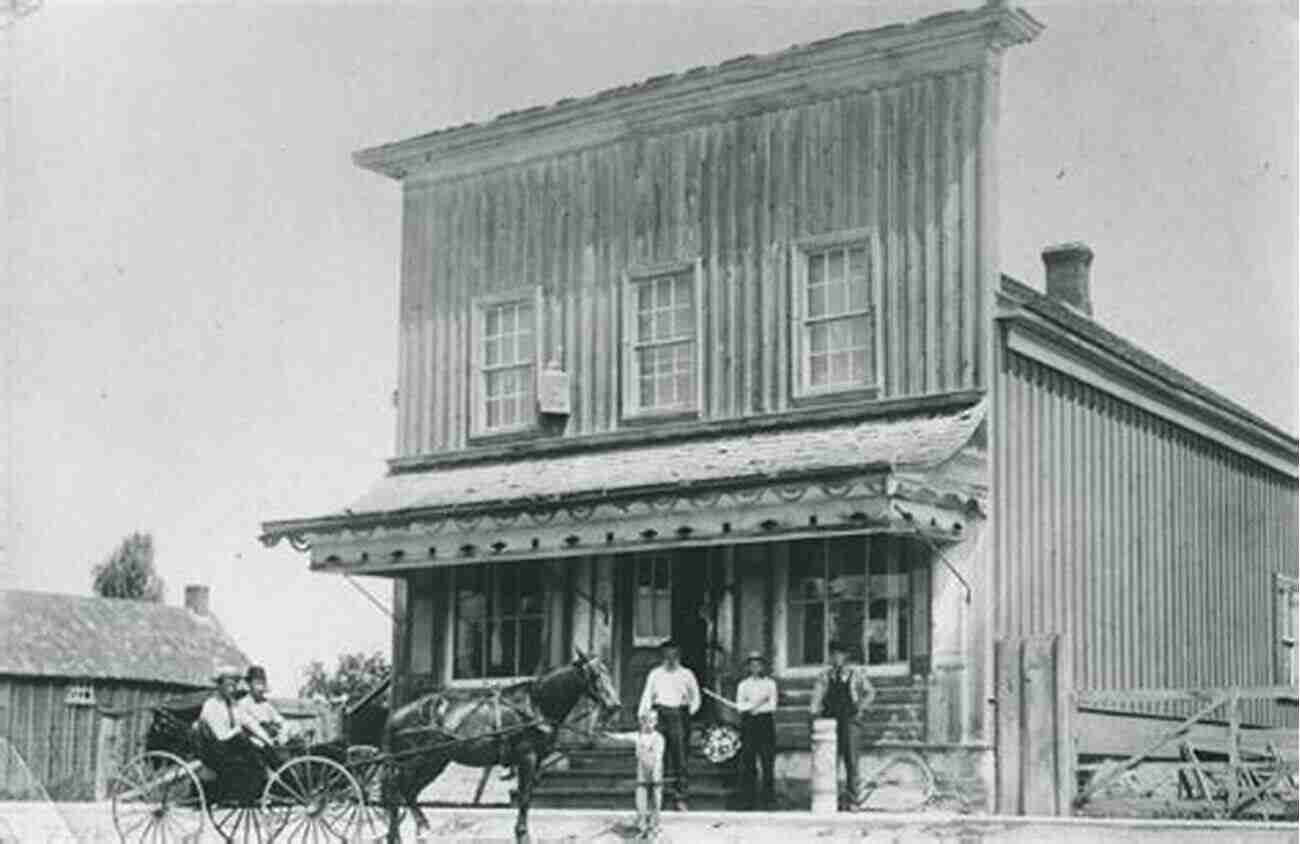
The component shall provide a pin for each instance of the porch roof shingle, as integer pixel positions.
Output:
(911, 442)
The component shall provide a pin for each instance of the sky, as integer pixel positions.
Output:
(203, 292)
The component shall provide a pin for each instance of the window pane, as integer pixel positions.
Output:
(505, 592)
(819, 337)
(683, 328)
(835, 266)
(469, 649)
(839, 370)
(501, 648)
(662, 574)
(531, 641)
(837, 298)
(816, 300)
(812, 634)
(816, 269)
(847, 625)
(817, 371)
(531, 590)
(663, 619)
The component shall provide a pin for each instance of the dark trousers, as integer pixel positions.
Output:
(674, 723)
(846, 747)
(757, 758)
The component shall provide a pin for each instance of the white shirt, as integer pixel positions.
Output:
(259, 712)
(670, 688)
(220, 717)
(756, 695)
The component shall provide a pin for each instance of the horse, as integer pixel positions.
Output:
(515, 726)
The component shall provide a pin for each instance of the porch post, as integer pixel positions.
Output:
(825, 785)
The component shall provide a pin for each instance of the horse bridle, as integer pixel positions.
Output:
(589, 677)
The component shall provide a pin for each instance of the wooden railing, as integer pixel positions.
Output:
(1245, 767)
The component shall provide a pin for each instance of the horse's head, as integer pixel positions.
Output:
(598, 685)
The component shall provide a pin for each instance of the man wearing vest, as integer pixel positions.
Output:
(843, 692)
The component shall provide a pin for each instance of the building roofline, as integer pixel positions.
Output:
(1193, 392)
(698, 94)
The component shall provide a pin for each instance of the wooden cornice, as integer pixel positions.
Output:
(855, 61)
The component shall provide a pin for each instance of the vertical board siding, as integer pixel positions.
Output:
(899, 162)
(1150, 547)
(55, 746)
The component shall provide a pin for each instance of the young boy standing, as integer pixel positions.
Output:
(649, 744)
(756, 699)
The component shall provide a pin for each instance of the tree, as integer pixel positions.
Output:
(129, 573)
(353, 677)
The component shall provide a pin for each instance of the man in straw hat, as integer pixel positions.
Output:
(756, 699)
(225, 734)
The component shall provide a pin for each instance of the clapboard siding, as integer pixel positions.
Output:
(901, 162)
(1152, 548)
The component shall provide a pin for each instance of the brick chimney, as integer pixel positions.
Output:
(1069, 268)
(198, 599)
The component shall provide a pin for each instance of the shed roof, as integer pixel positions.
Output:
(48, 634)
(1097, 334)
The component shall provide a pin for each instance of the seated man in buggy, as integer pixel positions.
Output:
(255, 708)
(226, 741)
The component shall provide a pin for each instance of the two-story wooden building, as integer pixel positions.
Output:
(726, 355)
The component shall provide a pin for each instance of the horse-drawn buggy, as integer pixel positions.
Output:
(345, 789)
(178, 787)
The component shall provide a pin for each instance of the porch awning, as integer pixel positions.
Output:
(881, 474)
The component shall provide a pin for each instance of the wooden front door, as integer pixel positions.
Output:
(658, 596)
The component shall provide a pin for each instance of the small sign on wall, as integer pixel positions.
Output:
(553, 390)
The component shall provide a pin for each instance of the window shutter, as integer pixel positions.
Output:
(475, 391)
(628, 307)
(701, 348)
(796, 272)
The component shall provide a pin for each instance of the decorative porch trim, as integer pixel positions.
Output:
(866, 503)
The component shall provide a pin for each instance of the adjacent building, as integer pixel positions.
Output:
(66, 661)
(726, 355)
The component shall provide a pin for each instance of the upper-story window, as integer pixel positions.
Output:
(835, 314)
(505, 363)
(662, 331)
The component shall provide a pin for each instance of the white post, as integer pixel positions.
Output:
(825, 778)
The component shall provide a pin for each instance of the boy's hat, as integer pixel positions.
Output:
(837, 645)
(755, 655)
(255, 672)
(669, 643)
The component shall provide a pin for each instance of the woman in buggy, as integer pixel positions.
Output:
(232, 744)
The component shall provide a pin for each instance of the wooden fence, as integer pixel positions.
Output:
(1063, 751)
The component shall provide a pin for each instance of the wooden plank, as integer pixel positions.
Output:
(1066, 759)
(106, 750)
(1007, 661)
(1103, 698)
(1038, 784)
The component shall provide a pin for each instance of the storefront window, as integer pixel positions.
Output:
(500, 614)
(851, 590)
(653, 611)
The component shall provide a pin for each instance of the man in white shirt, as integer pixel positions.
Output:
(756, 699)
(672, 692)
(226, 746)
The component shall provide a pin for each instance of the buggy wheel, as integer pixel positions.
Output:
(312, 799)
(903, 783)
(241, 822)
(156, 796)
